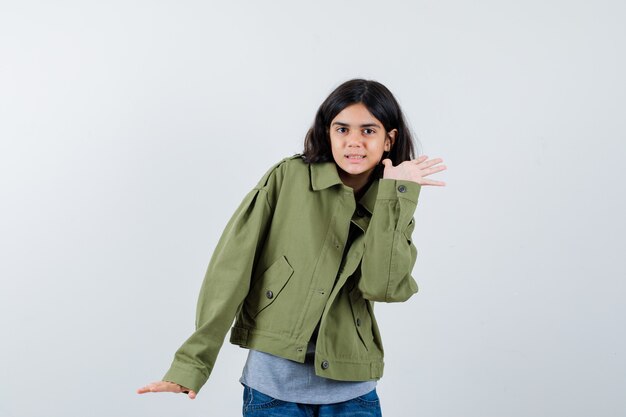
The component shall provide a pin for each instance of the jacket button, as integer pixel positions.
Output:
(325, 365)
(401, 188)
(269, 294)
(358, 321)
(359, 212)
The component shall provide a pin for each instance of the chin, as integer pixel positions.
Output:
(360, 171)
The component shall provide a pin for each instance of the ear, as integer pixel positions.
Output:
(390, 139)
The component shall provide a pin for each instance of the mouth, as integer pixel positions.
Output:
(355, 157)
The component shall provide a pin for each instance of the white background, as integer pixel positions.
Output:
(130, 131)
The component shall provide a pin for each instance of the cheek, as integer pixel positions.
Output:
(335, 150)
(376, 146)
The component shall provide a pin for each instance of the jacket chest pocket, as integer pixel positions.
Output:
(268, 286)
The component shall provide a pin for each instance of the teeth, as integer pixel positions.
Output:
(356, 156)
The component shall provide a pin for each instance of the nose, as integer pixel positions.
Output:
(354, 139)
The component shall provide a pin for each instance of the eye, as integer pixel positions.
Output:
(369, 131)
(342, 129)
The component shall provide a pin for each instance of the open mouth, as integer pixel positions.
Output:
(355, 157)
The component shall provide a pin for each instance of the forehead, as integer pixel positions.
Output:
(356, 114)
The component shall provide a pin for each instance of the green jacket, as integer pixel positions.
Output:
(279, 268)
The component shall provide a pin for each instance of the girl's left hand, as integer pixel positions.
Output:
(414, 170)
(166, 386)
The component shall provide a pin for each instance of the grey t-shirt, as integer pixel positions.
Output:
(293, 381)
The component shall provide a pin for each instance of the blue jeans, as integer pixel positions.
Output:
(257, 404)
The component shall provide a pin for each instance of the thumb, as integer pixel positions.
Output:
(387, 163)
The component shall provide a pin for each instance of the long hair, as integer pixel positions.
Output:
(379, 101)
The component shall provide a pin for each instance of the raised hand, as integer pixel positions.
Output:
(166, 386)
(414, 170)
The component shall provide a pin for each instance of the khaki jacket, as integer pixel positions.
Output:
(280, 267)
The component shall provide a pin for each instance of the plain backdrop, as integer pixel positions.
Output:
(131, 130)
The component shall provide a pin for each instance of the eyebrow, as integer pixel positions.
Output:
(363, 125)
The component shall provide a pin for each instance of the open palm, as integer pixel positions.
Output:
(414, 170)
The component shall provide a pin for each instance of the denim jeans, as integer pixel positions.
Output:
(257, 404)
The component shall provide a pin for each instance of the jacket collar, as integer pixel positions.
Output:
(368, 200)
(324, 175)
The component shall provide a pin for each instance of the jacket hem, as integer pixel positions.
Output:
(268, 342)
(349, 370)
(325, 366)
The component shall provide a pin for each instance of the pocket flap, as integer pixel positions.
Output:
(269, 285)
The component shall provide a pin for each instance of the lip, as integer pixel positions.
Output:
(353, 160)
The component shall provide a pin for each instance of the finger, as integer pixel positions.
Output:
(192, 394)
(156, 387)
(431, 162)
(146, 388)
(420, 159)
(423, 172)
(428, 171)
(143, 390)
(160, 386)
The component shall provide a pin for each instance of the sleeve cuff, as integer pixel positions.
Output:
(188, 378)
(391, 189)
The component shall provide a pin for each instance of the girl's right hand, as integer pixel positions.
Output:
(414, 170)
(166, 386)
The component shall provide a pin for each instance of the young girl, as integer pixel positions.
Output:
(321, 237)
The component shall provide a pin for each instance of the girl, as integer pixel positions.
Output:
(321, 237)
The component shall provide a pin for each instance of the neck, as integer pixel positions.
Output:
(361, 191)
(359, 184)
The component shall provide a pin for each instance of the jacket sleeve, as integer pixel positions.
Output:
(225, 286)
(389, 254)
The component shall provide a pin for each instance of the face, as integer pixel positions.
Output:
(358, 141)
